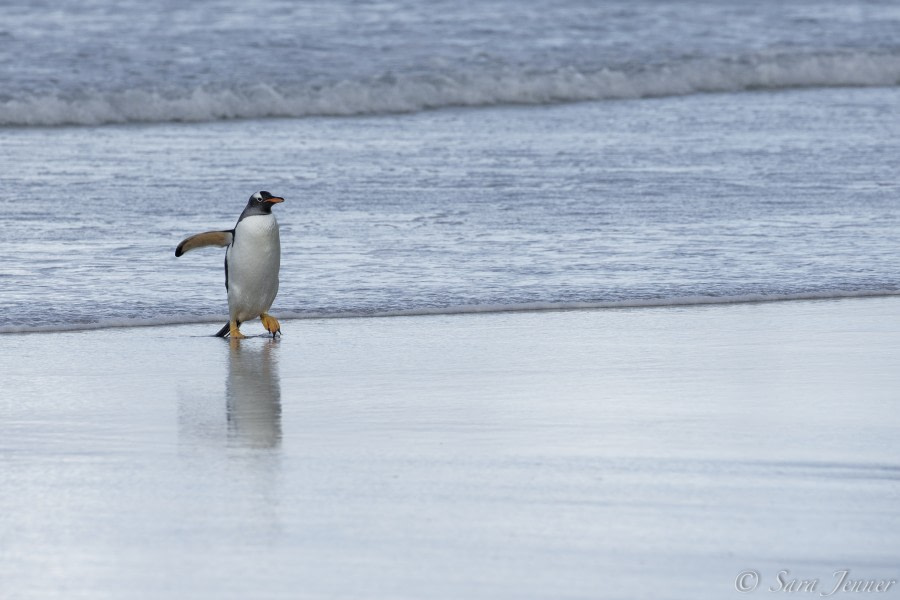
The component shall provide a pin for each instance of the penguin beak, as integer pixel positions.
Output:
(275, 200)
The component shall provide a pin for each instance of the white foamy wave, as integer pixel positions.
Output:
(118, 323)
(398, 93)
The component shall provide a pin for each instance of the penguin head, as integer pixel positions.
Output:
(260, 203)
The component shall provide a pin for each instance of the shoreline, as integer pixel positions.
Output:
(649, 303)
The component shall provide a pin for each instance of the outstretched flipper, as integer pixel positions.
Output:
(209, 238)
(271, 324)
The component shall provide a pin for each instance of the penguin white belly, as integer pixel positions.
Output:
(253, 258)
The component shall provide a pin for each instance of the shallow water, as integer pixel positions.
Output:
(770, 194)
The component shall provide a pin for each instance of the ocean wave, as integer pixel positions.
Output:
(404, 93)
(680, 301)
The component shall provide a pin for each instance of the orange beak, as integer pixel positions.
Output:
(275, 200)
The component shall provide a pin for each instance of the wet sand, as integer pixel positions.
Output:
(633, 453)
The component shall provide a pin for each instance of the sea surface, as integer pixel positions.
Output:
(446, 156)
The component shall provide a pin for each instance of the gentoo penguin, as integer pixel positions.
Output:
(252, 260)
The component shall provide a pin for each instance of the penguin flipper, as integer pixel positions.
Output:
(209, 238)
(224, 331)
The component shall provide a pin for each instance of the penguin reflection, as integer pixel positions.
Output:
(253, 395)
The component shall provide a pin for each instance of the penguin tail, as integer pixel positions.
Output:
(224, 331)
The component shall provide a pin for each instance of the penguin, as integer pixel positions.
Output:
(252, 261)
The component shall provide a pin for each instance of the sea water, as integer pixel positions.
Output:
(445, 157)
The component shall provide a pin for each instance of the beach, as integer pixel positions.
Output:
(580, 300)
(655, 452)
